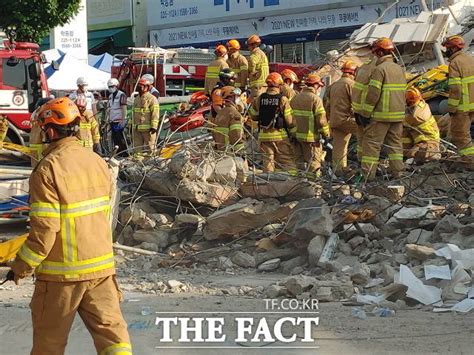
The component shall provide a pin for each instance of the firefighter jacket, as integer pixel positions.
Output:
(88, 130)
(338, 102)
(258, 68)
(217, 100)
(309, 116)
(240, 66)
(288, 91)
(212, 73)
(461, 83)
(257, 111)
(146, 112)
(421, 124)
(70, 237)
(228, 129)
(3, 129)
(359, 90)
(386, 91)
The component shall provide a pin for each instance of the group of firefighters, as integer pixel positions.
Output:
(371, 102)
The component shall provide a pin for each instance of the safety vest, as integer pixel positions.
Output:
(116, 103)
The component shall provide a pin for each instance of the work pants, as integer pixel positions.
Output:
(341, 135)
(55, 304)
(461, 135)
(118, 138)
(375, 135)
(309, 156)
(278, 155)
(144, 141)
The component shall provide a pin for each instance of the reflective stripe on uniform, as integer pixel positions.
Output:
(467, 151)
(406, 140)
(235, 127)
(369, 160)
(45, 209)
(143, 127)
(310, 135)
(75, 268)
(225, 132)
(141, 110)
(395, 157)
(272, 136)
(85, 126)
(375, 83)
(463, 104)
(212, 72)
(117, 349)
(30, 257)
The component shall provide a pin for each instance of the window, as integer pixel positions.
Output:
(14, 74)
(292, 53)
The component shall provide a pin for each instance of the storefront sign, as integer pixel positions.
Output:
(105, 14)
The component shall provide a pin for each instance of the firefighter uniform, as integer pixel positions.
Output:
(310, 119)
(217, 102)
(341, 119)
(386, 104)
(240, 66)
(3, 129)
(88, 130)
(228, 130)
(420, 134)
(146, 115)
(37, 137)
(70, 249)
(461, 103)
(258, 72)
(274, 143)
(288, 91)
(212, 73)
(359, 95)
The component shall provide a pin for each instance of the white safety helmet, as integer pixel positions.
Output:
(81, 81)
(112, 82)
(150, 78)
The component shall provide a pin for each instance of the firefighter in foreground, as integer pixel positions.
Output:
(226, 78)
(272, 111)
(151, 80)
(311, 124)
(214, 68)
(420, 130)
(70, 245)
(228, 124)
(146, 115)
(238, 64)
(258, 66)
(386, 105)
(338, 106)
(290, 79)
(461, 97)
(358, 100)
(88, 134)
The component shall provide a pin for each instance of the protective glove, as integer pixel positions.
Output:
(153, 130)
(97, 148)
(361, 120)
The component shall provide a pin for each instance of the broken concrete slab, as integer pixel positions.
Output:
(243, 259)
(159, 237)
(274, 291)
(296, 285)
(328, 291)
(225, 171)
(419, 236)
(419, 252)
(289, 190)
(315, 248)
(136, 216)
(394, 193)
(280, 253)
(289, 265)
(450, 230)
(269, 265)
(310, 218)
(244, 216)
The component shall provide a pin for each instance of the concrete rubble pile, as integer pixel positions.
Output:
(398, 245)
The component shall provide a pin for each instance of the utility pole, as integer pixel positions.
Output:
(436, 47)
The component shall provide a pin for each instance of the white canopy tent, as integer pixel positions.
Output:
(70, 69)
(102, 62)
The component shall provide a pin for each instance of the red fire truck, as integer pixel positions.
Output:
(22, 84)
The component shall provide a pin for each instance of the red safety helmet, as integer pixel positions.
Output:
(384, 44)
(198, 97)
(61, 112)
(413, 96)
(455, 41)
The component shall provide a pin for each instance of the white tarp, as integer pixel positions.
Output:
(70, 69)
(102, 62)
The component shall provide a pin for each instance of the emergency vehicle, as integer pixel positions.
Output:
(22, 84)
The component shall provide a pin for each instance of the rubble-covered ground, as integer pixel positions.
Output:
(390, 262)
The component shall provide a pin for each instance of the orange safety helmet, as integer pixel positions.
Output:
(61, 112)
(253, 39)
(228, 91)
(382, 43)
(413, 96)
(274, 79)
(455, 41)
(349, 67)
(313, 79)
(233, 44)
(220, 50)
(288, 74)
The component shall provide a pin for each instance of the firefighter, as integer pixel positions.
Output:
(238, 64)
(341, 118)
(214, 68)
(272, 110)
(311, 124)
(146, 116)
(258, 66)
(117, 106)
(226, 78)
(420, 130)
(358, 97)
(385, 112)
(69, 246)
(461, 96)
(151, 79)
(37, 136)
(88, 134)
(228, 130)
(3, 129)
(290, 79)
(82, 91)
